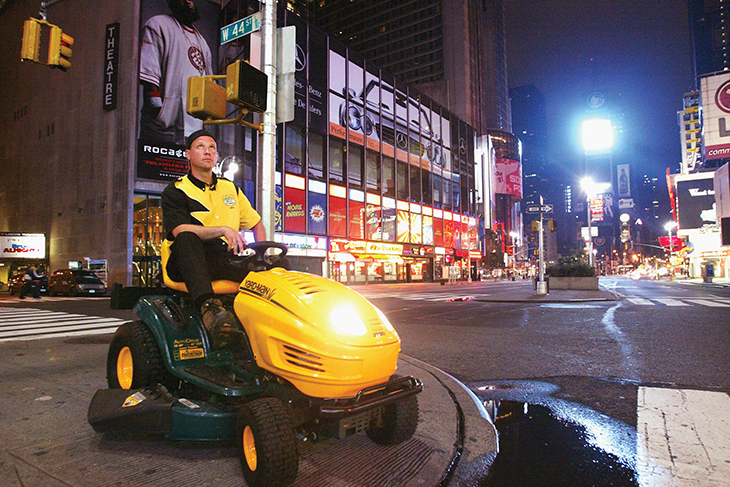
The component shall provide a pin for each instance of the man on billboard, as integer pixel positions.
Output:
(172, 50)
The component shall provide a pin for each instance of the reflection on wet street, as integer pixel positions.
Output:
(538, 448)
(583, 431)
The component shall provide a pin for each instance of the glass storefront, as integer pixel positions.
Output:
(148, 236)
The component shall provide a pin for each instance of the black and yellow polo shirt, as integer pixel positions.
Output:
(189, 200)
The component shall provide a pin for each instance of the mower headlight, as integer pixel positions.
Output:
(345, 320)
(384, 319)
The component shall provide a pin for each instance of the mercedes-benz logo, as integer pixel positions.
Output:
(401, 139)
(301, 59)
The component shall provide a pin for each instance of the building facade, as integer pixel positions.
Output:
(375, 181)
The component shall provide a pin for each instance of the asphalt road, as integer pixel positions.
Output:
(574, 386)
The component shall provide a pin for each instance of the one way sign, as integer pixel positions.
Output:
(540, 209)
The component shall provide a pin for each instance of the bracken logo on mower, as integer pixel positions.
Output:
(257, 288)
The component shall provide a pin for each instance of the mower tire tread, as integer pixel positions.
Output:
(149, 368)
(400, 420)
(276, 452)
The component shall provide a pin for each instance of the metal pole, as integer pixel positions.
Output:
(541, 285)
(589, 244)
(266, 173)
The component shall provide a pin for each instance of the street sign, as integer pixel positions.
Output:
(241, 28)
(540, 209)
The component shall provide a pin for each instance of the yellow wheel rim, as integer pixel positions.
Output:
(125, 369)
(249, 448)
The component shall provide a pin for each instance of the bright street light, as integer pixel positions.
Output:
(597, 135)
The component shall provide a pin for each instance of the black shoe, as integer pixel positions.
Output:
(224, 330)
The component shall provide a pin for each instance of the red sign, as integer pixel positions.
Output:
(676, 242)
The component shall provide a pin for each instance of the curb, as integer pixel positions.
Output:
(476, 444)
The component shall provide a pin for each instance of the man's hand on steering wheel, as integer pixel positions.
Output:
(236, 243)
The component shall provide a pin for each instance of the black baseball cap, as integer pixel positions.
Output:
(199, 133)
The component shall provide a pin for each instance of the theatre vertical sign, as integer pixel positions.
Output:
(111, 66)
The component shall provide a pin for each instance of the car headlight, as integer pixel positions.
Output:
(345, 320)
(384, 319)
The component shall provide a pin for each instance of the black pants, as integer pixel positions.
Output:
(198, 263)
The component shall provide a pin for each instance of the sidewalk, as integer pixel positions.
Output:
(48, 442)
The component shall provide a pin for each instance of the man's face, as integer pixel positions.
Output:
(203, 154)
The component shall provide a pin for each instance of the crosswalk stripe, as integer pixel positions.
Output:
(671, 302)
(641, 301)
(30, 324)
(682, 438)
(707, 302)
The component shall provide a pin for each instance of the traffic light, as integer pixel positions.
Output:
(59, 49)
(30, 49)
(246, 86)
(206, 98)
(535, 225)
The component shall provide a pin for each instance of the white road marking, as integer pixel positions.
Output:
(33, 324)
(707, 302)
(672, 302)
(682, 438)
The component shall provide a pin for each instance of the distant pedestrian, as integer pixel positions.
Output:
(31, 283)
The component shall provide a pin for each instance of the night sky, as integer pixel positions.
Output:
(641, 54)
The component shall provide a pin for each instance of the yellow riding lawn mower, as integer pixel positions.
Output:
(314, 360)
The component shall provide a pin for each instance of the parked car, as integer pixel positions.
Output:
(15, 283)
(75, 282)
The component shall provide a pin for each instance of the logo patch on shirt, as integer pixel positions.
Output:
(229, 200)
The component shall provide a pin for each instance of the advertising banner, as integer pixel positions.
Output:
(623, 176)
(317, 213)
(177, 40)
(295, 218)
(507, 177)
(695, 203)
(715, 96)
(338, 216)
(22, 245)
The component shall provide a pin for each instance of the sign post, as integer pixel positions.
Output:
(542, 208)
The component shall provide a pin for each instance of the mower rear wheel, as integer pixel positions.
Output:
(267, 445)
(134, 359)
(399, 422)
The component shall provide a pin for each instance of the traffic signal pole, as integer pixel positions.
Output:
(541, 284)
(266, 173)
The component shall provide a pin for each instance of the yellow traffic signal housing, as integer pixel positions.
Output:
(206, 98)
(547, 224)
(30, 49)
(246, 86)
(59, 49)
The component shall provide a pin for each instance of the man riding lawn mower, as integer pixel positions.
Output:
(301, 357)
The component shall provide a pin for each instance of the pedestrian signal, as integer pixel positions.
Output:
(246, 86)
(59, 49)
(206, 98)
(30, 49)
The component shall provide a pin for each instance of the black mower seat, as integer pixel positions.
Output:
(219, 287)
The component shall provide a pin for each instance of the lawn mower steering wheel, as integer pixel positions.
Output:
(260, 260)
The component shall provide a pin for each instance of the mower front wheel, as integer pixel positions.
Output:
(399, 422)
(134, 359)
(267, 445)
